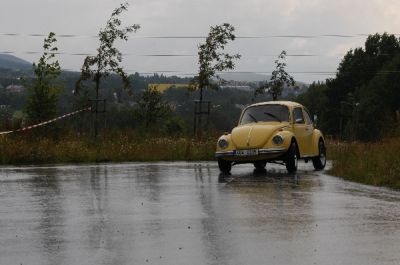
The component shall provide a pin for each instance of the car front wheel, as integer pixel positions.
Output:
(291, 158)
(224, 166)
(319, 161)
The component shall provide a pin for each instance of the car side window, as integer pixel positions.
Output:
(298, 117)
(307, 117)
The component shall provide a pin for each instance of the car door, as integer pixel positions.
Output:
(303, 129)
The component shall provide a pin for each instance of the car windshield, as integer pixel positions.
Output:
(265, 113)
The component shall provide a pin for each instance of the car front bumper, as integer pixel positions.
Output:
(261, 152)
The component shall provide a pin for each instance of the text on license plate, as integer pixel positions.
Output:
(253, 152)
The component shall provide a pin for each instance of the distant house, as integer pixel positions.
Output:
(15, 88)
(238, 87)
(4, 107)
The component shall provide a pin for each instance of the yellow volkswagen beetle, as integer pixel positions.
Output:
(276, 131)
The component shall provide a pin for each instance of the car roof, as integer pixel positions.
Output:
(285, 103)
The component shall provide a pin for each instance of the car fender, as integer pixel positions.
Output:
(317, 135)
(288, 136)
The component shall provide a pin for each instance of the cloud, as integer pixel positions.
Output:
(194, 17)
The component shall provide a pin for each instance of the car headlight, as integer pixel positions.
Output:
(223, 143)
(277, 139)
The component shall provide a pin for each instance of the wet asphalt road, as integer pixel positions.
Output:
(185, 213)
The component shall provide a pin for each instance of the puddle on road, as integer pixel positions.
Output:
(187, 213)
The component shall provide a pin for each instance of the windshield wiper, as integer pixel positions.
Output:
(251, 116)
(273, 116)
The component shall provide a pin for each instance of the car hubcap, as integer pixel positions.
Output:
(322, 156)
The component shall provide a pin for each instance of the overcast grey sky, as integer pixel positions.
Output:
(193, 18)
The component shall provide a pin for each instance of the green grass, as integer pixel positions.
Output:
(369, 163)
(118, 147)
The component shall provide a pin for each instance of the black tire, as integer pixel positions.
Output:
(291, 158)
(260, 165)
(224, 166)
(319, 161)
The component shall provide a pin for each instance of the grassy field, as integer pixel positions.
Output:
(115, 148)
(369, 163)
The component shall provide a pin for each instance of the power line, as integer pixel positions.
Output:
(295, 36)
(183, 73)
(172, 55)
(362, 35)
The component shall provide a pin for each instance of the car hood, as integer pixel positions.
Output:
(254, 135)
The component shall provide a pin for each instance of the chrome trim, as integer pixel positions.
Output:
(263, 151)
(249, 136)
(272, 150)
(224, 153)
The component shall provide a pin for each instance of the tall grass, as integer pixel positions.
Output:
(117, 147)
(369, 163)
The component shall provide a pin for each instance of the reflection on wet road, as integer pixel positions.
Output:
(185, 213)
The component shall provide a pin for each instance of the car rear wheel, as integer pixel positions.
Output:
(291, 158)
(224, 166)
(260, 165)
(319, 161)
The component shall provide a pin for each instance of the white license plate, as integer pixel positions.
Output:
(253, 152)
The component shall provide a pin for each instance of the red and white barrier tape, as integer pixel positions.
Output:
(46, 122)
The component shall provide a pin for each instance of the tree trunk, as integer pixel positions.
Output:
(199, 116)
(96, 121)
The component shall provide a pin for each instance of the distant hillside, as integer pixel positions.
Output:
(245, 77)
(12, 62)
